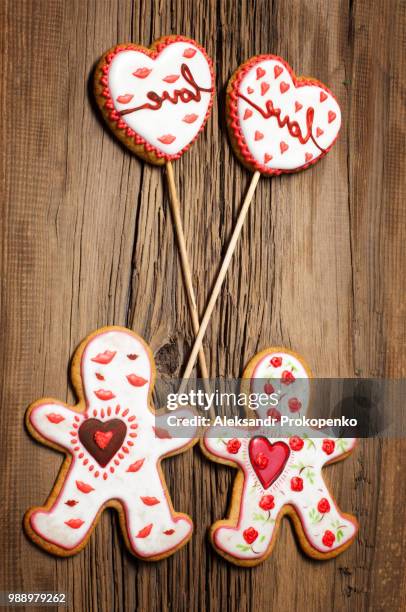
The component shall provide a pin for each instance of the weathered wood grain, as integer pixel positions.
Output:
(87, 240)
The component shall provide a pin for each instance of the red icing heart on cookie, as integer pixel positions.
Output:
(156, 100)
(102, 439)
(268, 460)
(298, 118)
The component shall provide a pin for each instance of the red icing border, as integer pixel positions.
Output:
(234, 125)
(118, 123)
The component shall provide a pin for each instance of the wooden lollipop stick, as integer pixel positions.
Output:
(175, 208)
(220, 279)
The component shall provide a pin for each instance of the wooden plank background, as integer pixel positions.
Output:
(87, 240)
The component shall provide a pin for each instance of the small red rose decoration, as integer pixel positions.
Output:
(267, 502)
(250, 535)
(328, 538)
(287, 378)
(274, 414)
(328, 446)
(294, 404)
(276, 362)
(296, 443)
(323, 506)
(296, 483)
(233, 446)
(261, 460)
(268, 388)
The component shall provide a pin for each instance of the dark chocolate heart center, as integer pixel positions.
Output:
(102, 439)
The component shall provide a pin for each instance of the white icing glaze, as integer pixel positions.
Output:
(170, 118)
(271, 136)
(129, 487)
(305, 463)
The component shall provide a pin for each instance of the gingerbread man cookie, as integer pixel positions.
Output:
(156, 100)
(113, 446)
(279, 476)
(279, 122)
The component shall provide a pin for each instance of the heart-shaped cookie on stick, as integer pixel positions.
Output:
(278, 123)
(156, 100)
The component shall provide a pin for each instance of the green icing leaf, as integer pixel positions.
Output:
(243, 547)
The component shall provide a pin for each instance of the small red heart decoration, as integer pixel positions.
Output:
(102, 438)
(268, 460)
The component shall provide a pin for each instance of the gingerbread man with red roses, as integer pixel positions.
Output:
(113, 444)
(279, 476)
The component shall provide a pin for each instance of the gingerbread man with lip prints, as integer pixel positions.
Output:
(279, 475)
(114, 446)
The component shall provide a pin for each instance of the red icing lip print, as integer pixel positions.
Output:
(74, 523)
(137, 465)
(136, 381)
(143, 533)
(272, 459)
(189, 53)
(104, 394)
(104, 358)
(142, 73)
(125, 99)
(53, 417)
(171, 78)
(102, 438)
(169, 531)
(150, 501)
(190, 118)
(162, 434)
(71, 502)
(167, 139)
(132, 356)
(84, 487)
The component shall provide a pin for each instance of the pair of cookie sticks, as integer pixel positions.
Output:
(157, 101)
(277, 124)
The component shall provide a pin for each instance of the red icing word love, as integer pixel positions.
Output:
(184, 95)
(268, 460)
(292, 125)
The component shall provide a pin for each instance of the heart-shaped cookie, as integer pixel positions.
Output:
(279, 122)
(156, 100)
(267, 460)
